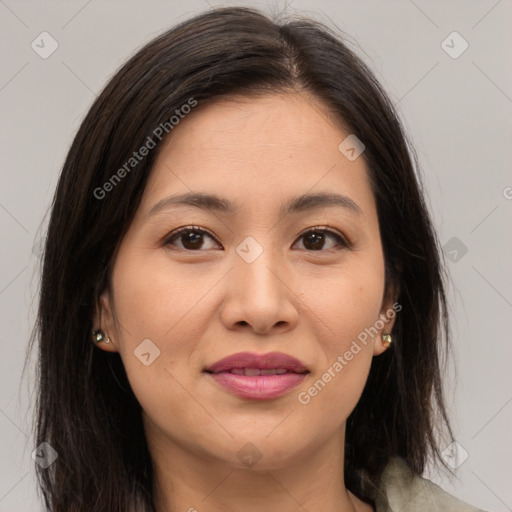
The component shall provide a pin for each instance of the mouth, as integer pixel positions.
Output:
(251, 364)
(258, 377)
(251, 372)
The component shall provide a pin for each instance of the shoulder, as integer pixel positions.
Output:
(402, 490)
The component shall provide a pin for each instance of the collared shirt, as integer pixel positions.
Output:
(401, 490)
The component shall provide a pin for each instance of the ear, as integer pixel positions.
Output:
(103, 319)
(387, 318)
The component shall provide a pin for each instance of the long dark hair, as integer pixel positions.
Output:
(85, 407)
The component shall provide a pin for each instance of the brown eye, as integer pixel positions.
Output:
(191, 238)
(315, 239)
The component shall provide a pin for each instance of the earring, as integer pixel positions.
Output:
(99, 336)
(386, 338)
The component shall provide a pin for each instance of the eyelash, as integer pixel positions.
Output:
(342, 242)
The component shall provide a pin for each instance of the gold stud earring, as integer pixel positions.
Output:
(386, 338)
(99, 336)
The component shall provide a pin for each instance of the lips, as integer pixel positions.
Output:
(251, 364)
(258, 376)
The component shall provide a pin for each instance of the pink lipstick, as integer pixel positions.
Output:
(258, 376)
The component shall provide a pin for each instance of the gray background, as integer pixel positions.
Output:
(456, 110)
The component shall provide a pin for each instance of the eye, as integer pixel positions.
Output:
(315, 239)
(191, 238)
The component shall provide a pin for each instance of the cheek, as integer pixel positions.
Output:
(346, 300)
(346, 304)
(162, 315)
(154, 296)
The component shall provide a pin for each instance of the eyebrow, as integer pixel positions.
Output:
(213, 202)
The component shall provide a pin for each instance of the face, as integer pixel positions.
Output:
(306, 282)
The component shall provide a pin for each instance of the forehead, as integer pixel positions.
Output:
(258, 151)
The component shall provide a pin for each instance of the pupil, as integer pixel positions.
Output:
(316, 239)
(193, 238)
(313, 240)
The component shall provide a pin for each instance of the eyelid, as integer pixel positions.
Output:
(173, 234)
(342, 239)
(345, 242)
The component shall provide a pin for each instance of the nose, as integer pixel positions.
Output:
(259, 295)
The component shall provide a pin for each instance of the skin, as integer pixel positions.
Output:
(200, 305)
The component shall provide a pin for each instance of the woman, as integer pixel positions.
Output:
(242, 300)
